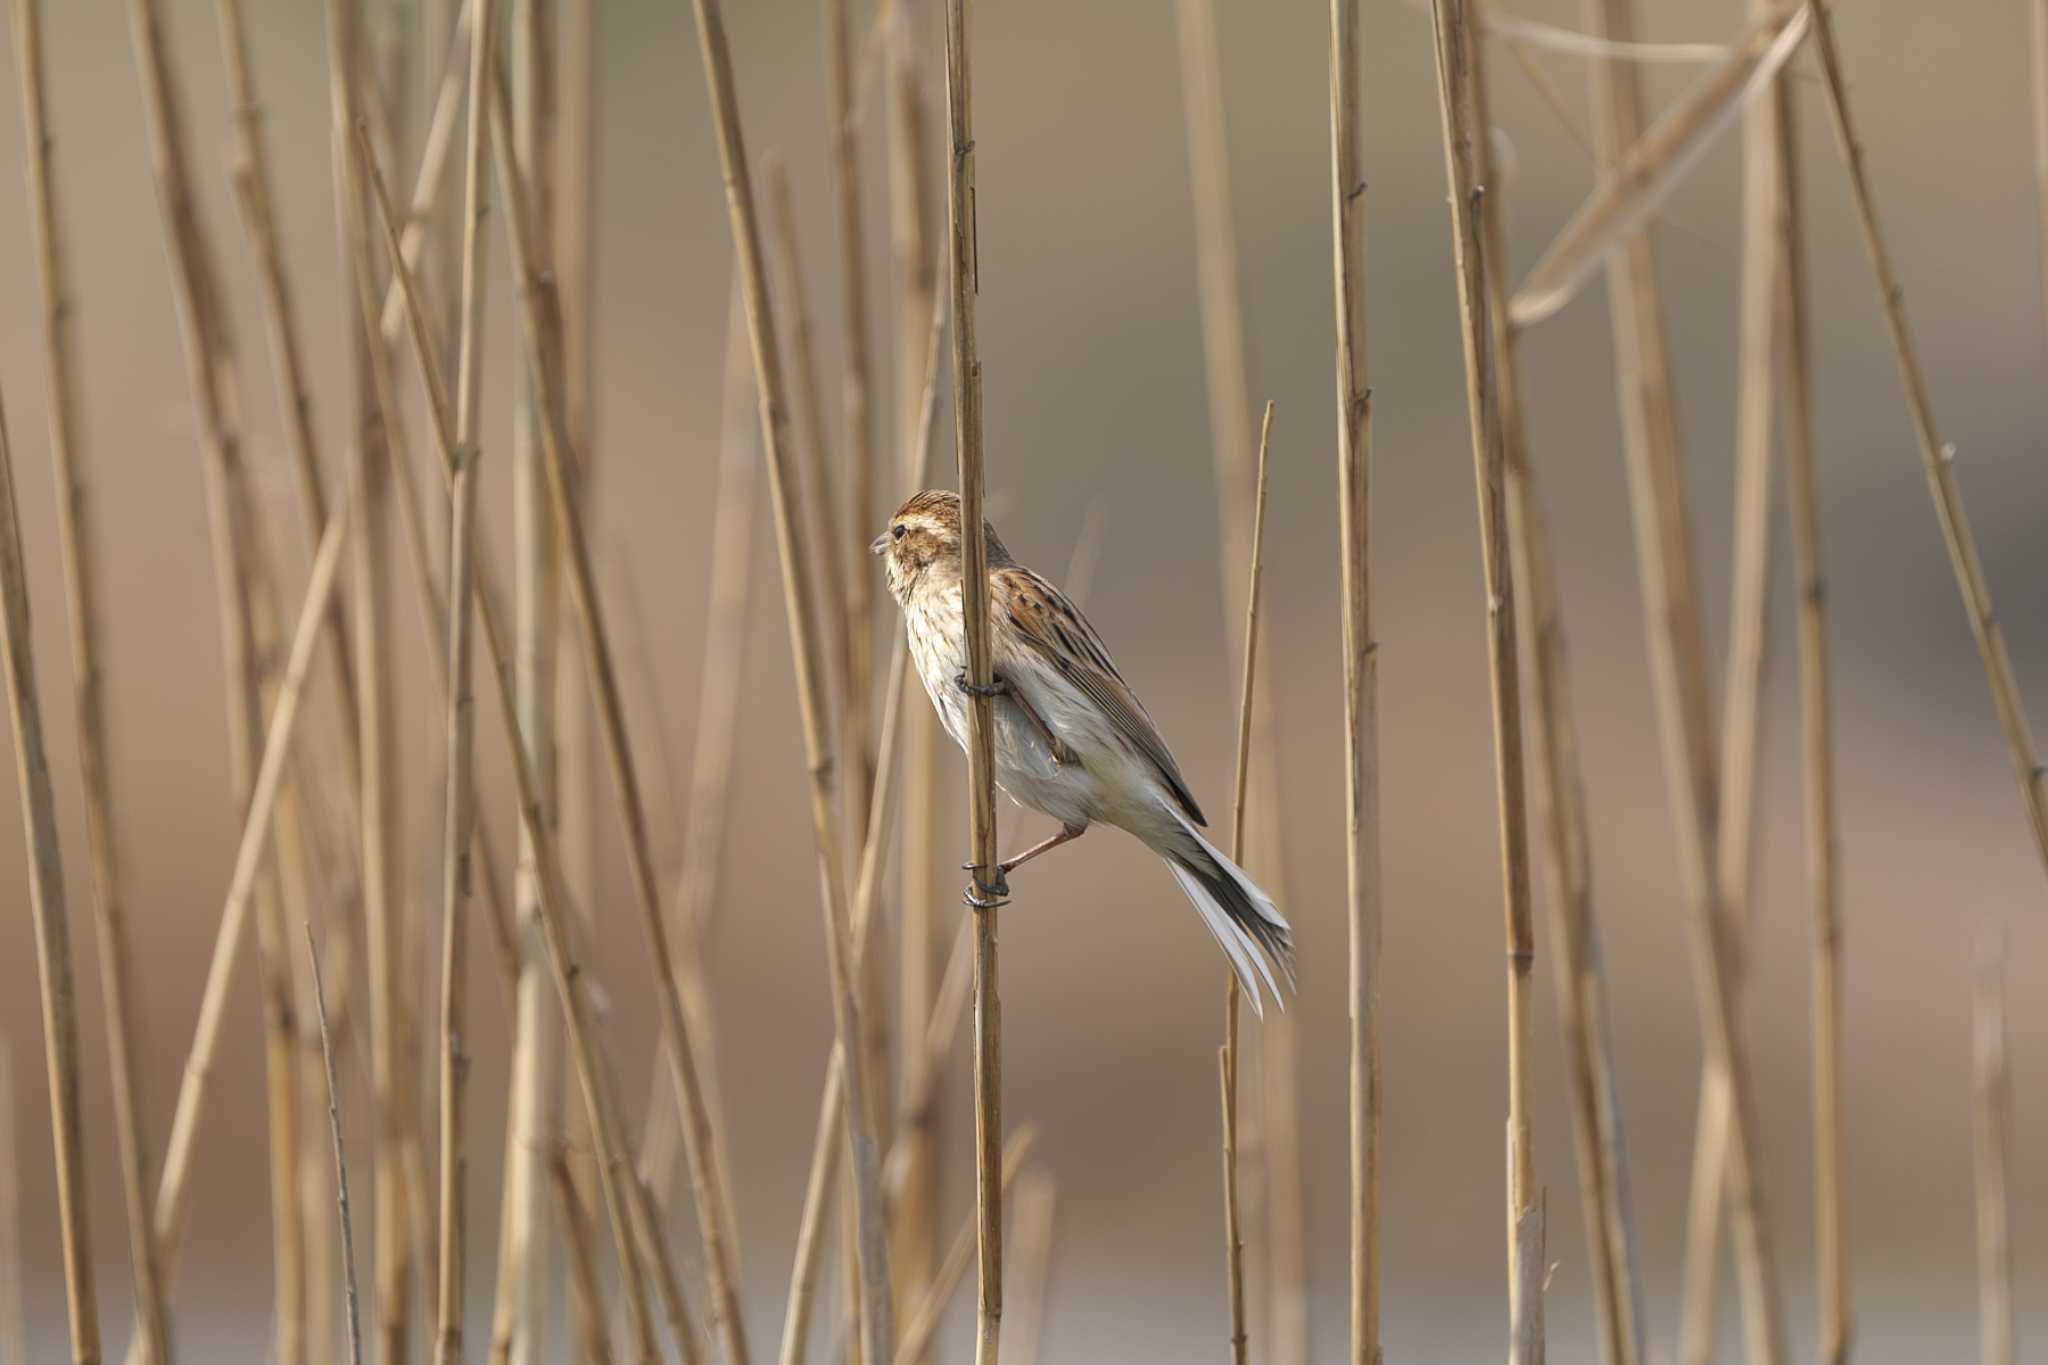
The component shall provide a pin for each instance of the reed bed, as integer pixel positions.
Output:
(315, 667)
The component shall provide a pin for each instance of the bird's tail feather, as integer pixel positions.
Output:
(1241, 916)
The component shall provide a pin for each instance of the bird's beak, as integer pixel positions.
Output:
(879, 544)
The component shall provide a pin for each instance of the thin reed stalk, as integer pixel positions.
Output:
(460, 819)
(253, 195)
(877, 1316)
(79, 547)
(395, 1257)
(963, 272)
(1228, 384)
(924, 1321)
(711, 1197)
(857, 685)
(584, 1296)
(208, 346)
(52, 923)
(13, 1269)
(1817, 775)
(1233, 1237)
(1031, 1266)
(914, 1225)
(1655, 461)
(348, 1234)
(827, 1144)
(623, 1197)
(706, 816)
(1361, 688)
(822, 529)
(1991, 1089)
(426, 207)
(1485, 404)
(1494, 389)
(1762, 269)
(539, 1124)
(1936, 456)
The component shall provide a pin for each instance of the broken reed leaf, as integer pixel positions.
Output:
(1656, 166)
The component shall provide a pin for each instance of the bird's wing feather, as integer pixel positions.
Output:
(1054, 628)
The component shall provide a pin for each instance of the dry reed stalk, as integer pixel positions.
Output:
(82, 600)
(1479, 248)
(963, 272)
(1031, 1264)
(1230, 423)
(1531, 1264)
(348, 1235)
(706, 816)
(1485, 404)
(461, 816)
(914, 1126)
(1816, 712)
(253, 195)
(52, 923)
(822, 529)
(1361, 724)
(426, 207)
(915, 1225)
(1233, 1239)
(208, 345)
(622, 1195)
(830, 1132)
(1762, 267)
(394, 1255)
(1991, 1089)
(877, 1311)
(917, 1332)
(13, 1270)
(858, 681)
(711, 1197)
(1654, 458)
(1641, 169)
(584, 1295)
(529, 137)
(1936, 456)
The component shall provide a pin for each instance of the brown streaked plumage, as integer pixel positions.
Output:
(1072, 738)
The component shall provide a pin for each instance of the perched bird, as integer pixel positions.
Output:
(1071, 738)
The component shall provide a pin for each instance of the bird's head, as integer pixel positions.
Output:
(922, 543)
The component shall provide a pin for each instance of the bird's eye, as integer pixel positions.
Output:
(897, 531)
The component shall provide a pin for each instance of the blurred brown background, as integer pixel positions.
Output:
(1094, 386)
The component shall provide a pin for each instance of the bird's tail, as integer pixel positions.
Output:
(1242, 917)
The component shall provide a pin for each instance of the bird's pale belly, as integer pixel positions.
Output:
(1025, 767)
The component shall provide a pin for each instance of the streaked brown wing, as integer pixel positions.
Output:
(1054, 627)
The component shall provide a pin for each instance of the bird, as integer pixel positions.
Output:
(1072, 740)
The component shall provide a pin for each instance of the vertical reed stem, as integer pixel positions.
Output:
(79, 547)
(1992, 1086)
(1233, 1240)
(348, 1234)
(52, 923)
(1361, 688)
(460, 819)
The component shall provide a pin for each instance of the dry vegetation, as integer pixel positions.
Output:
(308, 683)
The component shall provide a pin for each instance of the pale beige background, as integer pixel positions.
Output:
(1094, 391)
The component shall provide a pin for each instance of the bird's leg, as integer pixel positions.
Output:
(1067, 834)
(1062, 753)
(988, 895)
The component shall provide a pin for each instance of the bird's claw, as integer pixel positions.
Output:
(995, 687)
(981, 895)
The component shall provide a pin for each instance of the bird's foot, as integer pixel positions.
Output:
(986, 895)
(995, 687)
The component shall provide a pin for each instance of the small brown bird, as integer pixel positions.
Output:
(1071, 738)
